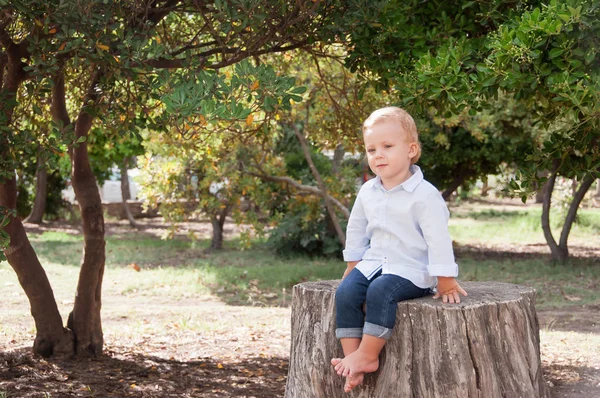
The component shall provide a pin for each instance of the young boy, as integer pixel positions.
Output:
(397, 245)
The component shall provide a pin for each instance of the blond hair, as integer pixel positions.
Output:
(406, 122)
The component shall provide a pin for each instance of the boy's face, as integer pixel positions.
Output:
(389, 152)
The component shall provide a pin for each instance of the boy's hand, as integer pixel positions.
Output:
(448, 288)
(349, 267)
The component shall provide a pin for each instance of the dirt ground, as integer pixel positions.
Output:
(248, 360)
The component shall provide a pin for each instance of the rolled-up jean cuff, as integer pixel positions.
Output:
(344, 333)
(377, 331)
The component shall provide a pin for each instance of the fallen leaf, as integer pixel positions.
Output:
(135, 267)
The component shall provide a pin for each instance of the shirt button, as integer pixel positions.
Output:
(387, 236)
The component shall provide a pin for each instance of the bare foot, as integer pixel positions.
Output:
(355, 363)
(353, 381)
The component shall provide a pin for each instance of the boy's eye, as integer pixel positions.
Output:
(388, 146)
(370, 150)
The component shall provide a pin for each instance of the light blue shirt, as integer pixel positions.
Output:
(403, 231)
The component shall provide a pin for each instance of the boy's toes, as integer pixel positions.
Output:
(353, 381)
(348, 387)
(335, 361)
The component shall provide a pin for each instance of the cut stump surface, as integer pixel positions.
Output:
(487, 346)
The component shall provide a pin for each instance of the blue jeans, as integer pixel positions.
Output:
(381, 294)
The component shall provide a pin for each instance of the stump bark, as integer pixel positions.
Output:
(491, 339)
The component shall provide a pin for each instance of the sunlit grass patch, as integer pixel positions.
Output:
(519, 226)
(556, 284)
(175, 282)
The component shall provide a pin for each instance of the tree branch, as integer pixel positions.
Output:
(163, 63)
(570, 218)
(302, 187)
(58, 106)
(320, 183)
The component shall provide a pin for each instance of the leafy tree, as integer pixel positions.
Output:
(461, 149)
(185, 181)
(457, 57)
(315, 191)
(549, 56)
(79, 56)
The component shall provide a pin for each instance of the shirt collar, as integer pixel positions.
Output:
(409, 185)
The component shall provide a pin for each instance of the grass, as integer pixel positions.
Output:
(179, 268)
(556, 285)
(521, 225)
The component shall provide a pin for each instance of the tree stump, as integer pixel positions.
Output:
(491, 338)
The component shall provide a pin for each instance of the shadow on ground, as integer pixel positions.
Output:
(567, 381)
(581, 319)
(25, 375)
(116, 374)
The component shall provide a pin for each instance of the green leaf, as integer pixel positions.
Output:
(269, 103)
(564, 17)
(299, 90)
(556, 52)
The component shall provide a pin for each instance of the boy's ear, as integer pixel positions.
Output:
(413, 150)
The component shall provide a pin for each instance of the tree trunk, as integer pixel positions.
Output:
(586, 183)
(217, 234)
(51, 339)
(540, 193)
(597, 193)
(559, 253)
(338, 157)
(218, 221)
(485, 189)
(486, 347)
(125, 194)
(85, 320)
(560, 250)
(41, 193)
(458, 181)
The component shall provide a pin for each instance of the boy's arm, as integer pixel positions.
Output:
(433, 218)
(357, 241)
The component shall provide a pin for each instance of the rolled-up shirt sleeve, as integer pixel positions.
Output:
(357, 241)
(433, 218)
